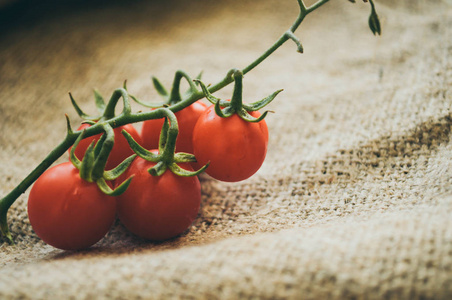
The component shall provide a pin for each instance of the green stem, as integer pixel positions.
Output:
(315, 6)
(110, 109)
(175, 89)
(285, 37)
(127, 117)
(236, 100)
(97, 171)
(170, 145)
(175, 95)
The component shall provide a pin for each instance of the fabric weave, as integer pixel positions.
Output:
(353, 201)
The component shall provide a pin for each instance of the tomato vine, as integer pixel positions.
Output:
(175, 102)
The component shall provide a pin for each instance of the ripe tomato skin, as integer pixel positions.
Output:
(158, 208)
(186, 119)
(68, 212)
(235, 148)
(121, 150)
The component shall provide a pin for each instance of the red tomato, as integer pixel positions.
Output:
(121, 150)
(68, 212)
(235, 148)
(158, 207)
(186, 119)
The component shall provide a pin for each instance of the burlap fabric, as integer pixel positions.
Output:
(354, 199)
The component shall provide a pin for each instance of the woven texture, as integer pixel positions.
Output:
(353, 201)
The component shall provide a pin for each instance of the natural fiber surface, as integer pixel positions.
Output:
(354, 199)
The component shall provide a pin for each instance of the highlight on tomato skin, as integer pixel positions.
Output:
(236, 149)
(186, 119)
(68, 212)
(121, 149)
(158, 208)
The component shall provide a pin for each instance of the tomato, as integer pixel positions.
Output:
(235, 148)
(186, 119)
(121, 150)
(158, 207)
(68, 212)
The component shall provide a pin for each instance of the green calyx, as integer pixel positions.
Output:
(166, 158)
(106, 110)
(174, 96)
(92, 166)
(226, 109)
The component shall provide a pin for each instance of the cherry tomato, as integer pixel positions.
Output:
(186, 120)
(68, 212)
(158, 207)
(121, 150)
(235, 148)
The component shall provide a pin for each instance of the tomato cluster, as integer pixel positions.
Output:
(161, 194)
(70, 213)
